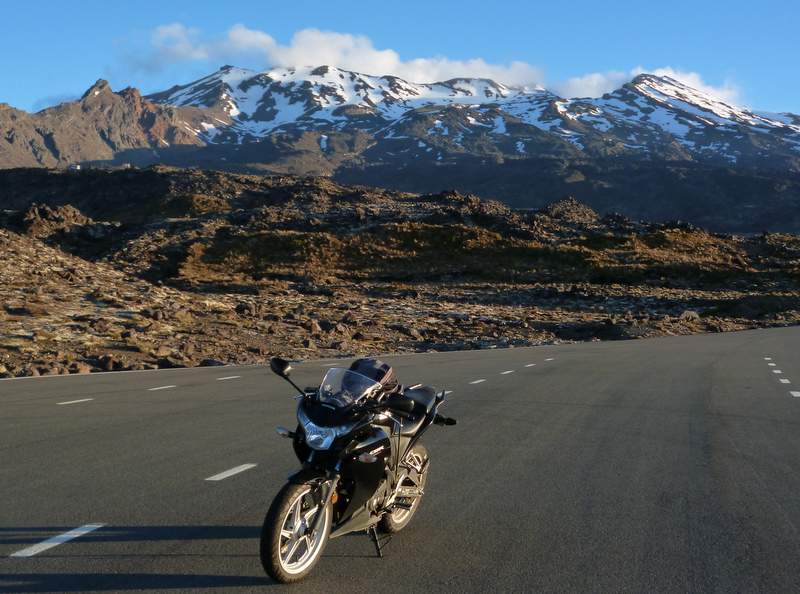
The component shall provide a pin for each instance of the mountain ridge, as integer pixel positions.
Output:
(536, 107)
(649, 117)
(523, 145)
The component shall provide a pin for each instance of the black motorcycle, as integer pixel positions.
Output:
(363, 466)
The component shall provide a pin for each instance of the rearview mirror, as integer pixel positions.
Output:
(280, 367)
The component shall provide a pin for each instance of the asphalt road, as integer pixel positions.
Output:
(662, 465)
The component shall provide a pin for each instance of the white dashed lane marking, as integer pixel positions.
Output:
(231, 472)
(782, 380)
(56, 540)
(75, 401)
(160, 388)
(550, 359)
(478, 381)
(230, 377)
(506, 372)
(531, 365)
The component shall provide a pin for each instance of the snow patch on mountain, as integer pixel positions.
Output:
(643, 116)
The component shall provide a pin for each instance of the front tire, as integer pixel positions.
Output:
(289, 551)
(394, 521)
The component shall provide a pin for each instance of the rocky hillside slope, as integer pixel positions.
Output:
(97, 127)
(654, 148)
(134, 269)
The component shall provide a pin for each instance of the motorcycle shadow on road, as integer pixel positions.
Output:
(104, 582)
(15, 538)
(29, 535)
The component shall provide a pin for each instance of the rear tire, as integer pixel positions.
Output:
(393, 522)
(288, 553)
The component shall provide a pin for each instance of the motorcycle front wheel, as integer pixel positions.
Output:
(289, 548)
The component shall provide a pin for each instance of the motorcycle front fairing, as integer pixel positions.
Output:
(358, 480)
(363, 470)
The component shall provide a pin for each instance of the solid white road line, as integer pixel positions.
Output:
(222, 379)
(772, 364)
(231, 472)
(776, 371)
(783, 380)
(75, 401)
(56, 540)
(478, 381)
(160, 388)
(531, 365)
(795, 394)
(506, 372)
(550, 359)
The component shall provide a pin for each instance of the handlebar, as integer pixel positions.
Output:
(384, 405)
(403, 414)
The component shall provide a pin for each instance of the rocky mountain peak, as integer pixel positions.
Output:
(646, 78)
(99, 87)
(320, 70)
(130, 91)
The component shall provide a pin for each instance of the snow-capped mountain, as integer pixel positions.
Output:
(652, 110)
(650, 117)
(315, 120)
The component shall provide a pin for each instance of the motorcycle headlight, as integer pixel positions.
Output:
(320, 438)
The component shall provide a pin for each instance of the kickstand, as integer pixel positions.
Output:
(373, 536)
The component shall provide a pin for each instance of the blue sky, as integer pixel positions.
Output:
(747, 52)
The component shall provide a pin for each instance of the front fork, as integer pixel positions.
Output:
(330, 488)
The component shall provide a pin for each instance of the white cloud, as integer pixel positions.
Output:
(312, 47)
(597, 83)
(241, 40)
(176, 42)
(593, 84)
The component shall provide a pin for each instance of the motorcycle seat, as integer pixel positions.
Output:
(424, 396)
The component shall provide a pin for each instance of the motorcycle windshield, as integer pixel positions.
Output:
(342, 387)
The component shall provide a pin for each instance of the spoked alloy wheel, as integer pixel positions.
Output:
(299, 547)
(416, 462)
(289, 547)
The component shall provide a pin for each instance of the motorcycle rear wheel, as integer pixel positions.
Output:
(289, 551)
(394, 521)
